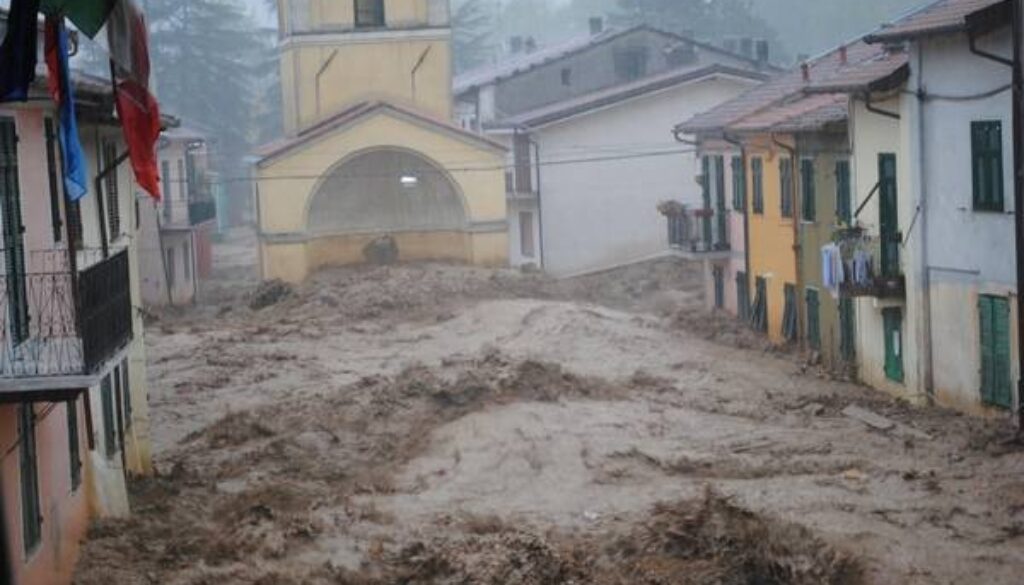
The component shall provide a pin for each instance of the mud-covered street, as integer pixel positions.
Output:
(440, 424)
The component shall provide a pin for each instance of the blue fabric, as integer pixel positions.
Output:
(18, 53)
(76, 183)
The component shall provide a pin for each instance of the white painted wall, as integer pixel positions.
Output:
(969, 252)
(603, 213)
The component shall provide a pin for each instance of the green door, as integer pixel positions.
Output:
(742, 295)
(719, 277)
(706, 220)
(847, 346)
(13, 230)
(888, 212)
(813, 319)
(893, 325)
(994, 322)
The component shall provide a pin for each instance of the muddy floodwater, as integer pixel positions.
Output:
(443, 424)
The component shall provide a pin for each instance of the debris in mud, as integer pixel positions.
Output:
(382, 251)
(269, 293)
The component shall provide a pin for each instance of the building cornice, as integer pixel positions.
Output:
(355, 37)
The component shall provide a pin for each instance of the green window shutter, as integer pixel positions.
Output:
(987, 165)
(809, 207)
(786, 187)
(757, 169)
(847, 318)
(31, 509)
(706, 192)
(109, 420)
(813, 319)
(739, 184)
(844, 205)
(985, 326)
(994, 325)
(74, 449)
(789, 316)
(742, 295)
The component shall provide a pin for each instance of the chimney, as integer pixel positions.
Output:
(515, 45)
(747, 47)
(762, 52)
(805, 70)
(596, 25)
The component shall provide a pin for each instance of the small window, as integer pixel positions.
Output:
(813, 319)
(808, 210)
(31, 511)
(786, 187)
(74, 447)
(566, 76)
(369, 13)
(757, 170)
(739, 184)
(844, 201)
(631, 63)
(987, 165)
(109, 418)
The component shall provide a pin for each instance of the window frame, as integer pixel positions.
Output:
(375, 12)
(987, 157)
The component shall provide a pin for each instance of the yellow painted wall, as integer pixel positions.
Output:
(334, 14)
(771, 236)
(322, 79)
(286, 185)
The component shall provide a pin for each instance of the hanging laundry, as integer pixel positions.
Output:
(862, 270)
(831, 268)
(59, 82)
(88, 15)
(136, 106)
(18, 51)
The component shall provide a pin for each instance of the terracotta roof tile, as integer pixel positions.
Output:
(939, 17)
(885, 71)
(801, 114)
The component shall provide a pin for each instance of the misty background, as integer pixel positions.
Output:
(215, 61)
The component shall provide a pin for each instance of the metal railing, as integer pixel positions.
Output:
(697, 231)
(869, 268)
(55, 323)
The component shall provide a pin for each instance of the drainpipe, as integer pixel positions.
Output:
(927, 366)
(540, 204)
(1018, 195)
(793, 157)
(1018, 183)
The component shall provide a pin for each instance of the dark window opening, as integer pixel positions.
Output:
(166, 178)
(369, 13)
(786, 187)
(844, 201)
(739, 184)
(809, 210)
(109, 418)
(31, 511)
(631, 63)
(74, 447)
(13, 234)
(813, 319)
(757, 170)
(53, 182)
(759, 309)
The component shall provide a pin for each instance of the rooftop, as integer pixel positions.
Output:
(941, 17)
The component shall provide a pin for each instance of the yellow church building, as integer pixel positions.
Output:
(369, 147)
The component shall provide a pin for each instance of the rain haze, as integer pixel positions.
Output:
(526, 292)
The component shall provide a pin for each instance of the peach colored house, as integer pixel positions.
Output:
(73, 407)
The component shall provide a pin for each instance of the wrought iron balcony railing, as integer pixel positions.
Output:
(870, 265)
(56, 323)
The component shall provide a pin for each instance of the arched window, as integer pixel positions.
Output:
(369, 13)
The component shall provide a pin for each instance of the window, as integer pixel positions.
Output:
(31, 513)
(526, 247)
(987, 165)
(170, 268)
(165, 172)
(126, 388)
(721, 208)
(893, 328)
(994, 321)
(742, 295)
(53, 182)
(186, 260)
(110, 185)
(631, 63)
(808, 209)
(757, 170)
(566, 76)
(109, 419)
(74, 449)
(813, 319)
(523, 169)
(888, 215)
(789, 315)
(786, 186)
(369, 13)
(739, 184)
(844, 201)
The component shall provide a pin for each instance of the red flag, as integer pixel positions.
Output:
(136, 106)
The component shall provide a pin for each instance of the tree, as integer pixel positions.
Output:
(472, 34)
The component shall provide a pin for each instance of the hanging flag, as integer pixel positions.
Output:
(136, 106)
(59, 83)
(18, 51)
(88, 15)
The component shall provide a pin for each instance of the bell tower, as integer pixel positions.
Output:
(336, 54)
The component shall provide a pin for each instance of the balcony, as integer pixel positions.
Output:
(870, 265)
(696, 233)
(59, 329)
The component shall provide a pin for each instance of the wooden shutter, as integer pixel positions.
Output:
(994, 325)
(847, 347)
(74, 449)
(13, 233)
(739, 184)
(112, 188)
(706, 194)
(807, 188)
(757, 168)
(813, 319)
(844, 207)
(29, 472)
(987, 165)
(109, 430)
(893, 329)
(53, 182)
(720, 207)
(786, 186)
(523, 170)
